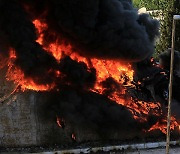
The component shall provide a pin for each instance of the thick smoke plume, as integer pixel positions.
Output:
(17, 28)
(102, 28)
(165, 61)
(77, 74)
(95, 28)
(91, 110)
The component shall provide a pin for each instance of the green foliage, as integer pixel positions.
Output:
(166, 26)
(149, 4)
(168, 9)
(177, 11)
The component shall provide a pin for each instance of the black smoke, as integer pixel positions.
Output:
(20, 34)
(109, 29)
(76, 73)
(105, 29)
(165, 58)
(88, 110)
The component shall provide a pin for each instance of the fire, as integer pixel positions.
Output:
(139, 109)
(60, 122)
(162, 125)
(56, 49)
(40, 26)
(115, 69)
(15, 74)
(73, 137)
(122, 73)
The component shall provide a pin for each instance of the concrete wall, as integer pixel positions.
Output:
(23, 120)
(20, 122)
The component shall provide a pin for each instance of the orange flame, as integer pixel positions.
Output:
(162, 125)
(73, 137)
(15, 74)
(60, 122)
(121, 72)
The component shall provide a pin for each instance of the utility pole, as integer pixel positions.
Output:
(175, 18)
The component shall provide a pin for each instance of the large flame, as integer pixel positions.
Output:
(15, 74)
(122, 73)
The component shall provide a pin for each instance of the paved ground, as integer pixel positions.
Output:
(151, 151)
(156, 151)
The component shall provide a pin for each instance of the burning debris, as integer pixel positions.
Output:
(92, 58)
(165, 61)
(60, 122)
(73, 137)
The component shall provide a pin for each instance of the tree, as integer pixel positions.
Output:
(148, 4)
(169, 8)
(177, 11)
